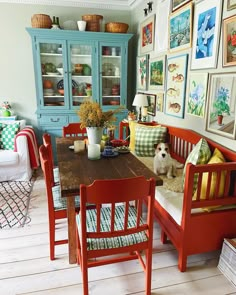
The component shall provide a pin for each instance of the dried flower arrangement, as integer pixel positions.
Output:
(91, 115)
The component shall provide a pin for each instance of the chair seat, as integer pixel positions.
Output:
(59, 202)
(115, 242)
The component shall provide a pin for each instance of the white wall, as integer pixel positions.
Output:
(17, 84)
(191, 122)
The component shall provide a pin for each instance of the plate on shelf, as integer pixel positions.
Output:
(71, 147)
(52, 74)
(114, 154)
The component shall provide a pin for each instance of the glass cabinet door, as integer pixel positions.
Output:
(52, 70)
(111, 79)
(81, 73)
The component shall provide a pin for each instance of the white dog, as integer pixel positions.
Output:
(163, 162)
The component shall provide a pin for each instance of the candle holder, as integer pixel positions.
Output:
(94, 151)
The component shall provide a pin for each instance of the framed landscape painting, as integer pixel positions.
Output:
(177, 3)
(197, 94)
(229, 41)
(157, 73)
(206, 31)
(151, 109)
(176, 77)
(180, 29)
(147, 33)
(222, 104)
(142, 68)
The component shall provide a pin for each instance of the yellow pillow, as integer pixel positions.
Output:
(132, 125)
(217, 157)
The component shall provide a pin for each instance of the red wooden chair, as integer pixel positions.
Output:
(53, 170)
(115, 229)
(74, 129)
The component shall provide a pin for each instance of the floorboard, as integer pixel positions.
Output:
(25, 267)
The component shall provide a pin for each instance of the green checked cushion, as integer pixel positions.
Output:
(146, 137)
(115, 242)
(7, 135)
(59, 202)
(200, 154)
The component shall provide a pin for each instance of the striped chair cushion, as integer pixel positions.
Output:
(59, 202)
(115, 242)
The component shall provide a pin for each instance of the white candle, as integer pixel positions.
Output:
(94, 151)
(144, 112)
(79, 146)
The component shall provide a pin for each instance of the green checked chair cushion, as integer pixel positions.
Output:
(115, 242)
(200, 154)
(7, 135)
(146, 137)
(59, 202)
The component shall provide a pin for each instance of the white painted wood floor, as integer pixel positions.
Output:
(25, 267)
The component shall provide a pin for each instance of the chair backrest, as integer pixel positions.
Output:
(46, 167)
(74, 129)
(111, 193)
(48, 144)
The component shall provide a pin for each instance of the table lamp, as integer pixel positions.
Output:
(140, 100)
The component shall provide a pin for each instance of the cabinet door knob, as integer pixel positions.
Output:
(55, 120)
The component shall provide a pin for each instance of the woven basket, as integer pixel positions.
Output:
(93, 22)
(116, 27)
(41, 21)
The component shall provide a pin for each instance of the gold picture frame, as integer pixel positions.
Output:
(229, 41)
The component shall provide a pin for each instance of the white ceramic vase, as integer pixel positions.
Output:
(94, 134)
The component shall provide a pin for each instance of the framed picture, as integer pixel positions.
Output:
(231, 4)
(206, 31)
(229, 41)
(157, 73)
(151, 109)
(162, 24)
(159, 101)
(142, 71)
(222, 104)
(180, 29)
(177, 3)
(147, 33)
(197, 94)
(176, 85)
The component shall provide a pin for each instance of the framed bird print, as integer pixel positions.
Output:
(176, 77)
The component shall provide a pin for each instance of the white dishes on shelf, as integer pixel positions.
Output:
(48, 92)
(81, 25)
(60, 70)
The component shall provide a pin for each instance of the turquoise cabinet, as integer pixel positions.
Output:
(71, 67)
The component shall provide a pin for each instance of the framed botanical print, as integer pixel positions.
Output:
(159, 101)
(229, 41)
(147, 33)
(231, 4)
(142, 71)
(197, 94)
(180, 29)
(157, 73)
(222, 104)
(206, 31)
(176, 77)
(177, 3)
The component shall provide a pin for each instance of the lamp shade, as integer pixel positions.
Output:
(140, 100)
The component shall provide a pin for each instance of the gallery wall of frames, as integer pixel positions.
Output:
(178, 62)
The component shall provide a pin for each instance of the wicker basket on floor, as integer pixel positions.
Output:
(115, 27)
(41, 21)
(93, 22)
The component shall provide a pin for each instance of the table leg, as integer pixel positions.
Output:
(71, 229)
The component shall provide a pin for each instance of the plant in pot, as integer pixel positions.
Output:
(221, 105)
(6, 109)
(95, 120)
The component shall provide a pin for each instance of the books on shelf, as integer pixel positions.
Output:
(227, 262)
(10, 118)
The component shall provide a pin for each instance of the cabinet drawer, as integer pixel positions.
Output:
(54, 120)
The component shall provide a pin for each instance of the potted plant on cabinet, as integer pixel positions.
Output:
(221, 105)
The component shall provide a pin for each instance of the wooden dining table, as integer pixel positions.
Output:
(76, 169)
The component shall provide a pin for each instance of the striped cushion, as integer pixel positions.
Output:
(115, 242)
(146, 137)
(56, 175)
(59, 202)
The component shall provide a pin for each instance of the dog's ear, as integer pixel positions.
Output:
(155, 145)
